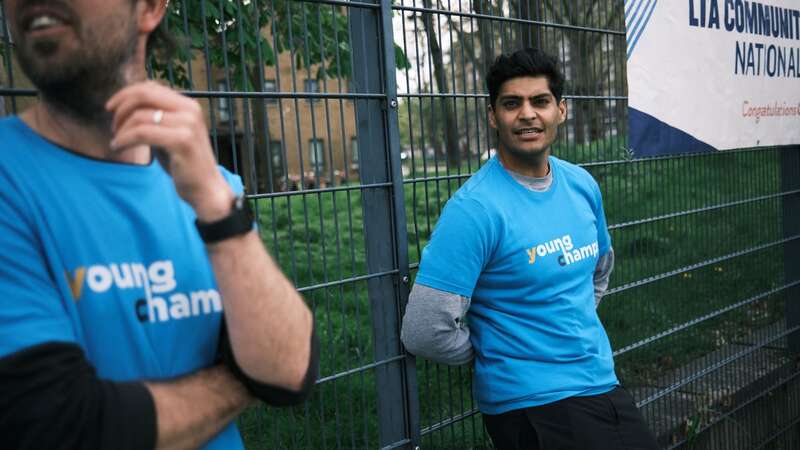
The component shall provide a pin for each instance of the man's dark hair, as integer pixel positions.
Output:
(529, 62)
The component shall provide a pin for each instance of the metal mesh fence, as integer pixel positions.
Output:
(352, 123)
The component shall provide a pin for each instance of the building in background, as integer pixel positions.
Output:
(275, 143)
(287, 140)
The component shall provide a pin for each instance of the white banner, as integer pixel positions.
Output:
(712, 74)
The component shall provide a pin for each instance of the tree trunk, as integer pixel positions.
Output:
(450, 126)
(585, 77)
(580, 73)
(529, 34)
(262, 156)
(485, 35)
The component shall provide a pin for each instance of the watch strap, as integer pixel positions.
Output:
(238, 222)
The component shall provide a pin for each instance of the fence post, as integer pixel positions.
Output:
(385, 231)
(790, 180)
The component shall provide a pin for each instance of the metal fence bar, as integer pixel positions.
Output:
(504, 19)
(486, 96)
(790, 180)
(701, 319)
(286, 95)
(16, 92)
(769, 439)
(409, 372)
(706, 263)
(766, 392)
(349, 280)
(683, 156)
(708, 369)
(393, 380)
(399, 444)
(701, 210)
(346, 188)
(360, 369)
(449, 421)
(9, 72)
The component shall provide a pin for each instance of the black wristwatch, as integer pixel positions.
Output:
(238, 222)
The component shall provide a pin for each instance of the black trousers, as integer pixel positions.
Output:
(607, 421)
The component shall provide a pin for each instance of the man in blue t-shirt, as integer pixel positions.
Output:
(116, 261)
(512, 275)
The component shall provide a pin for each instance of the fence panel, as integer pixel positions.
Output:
(353, 122)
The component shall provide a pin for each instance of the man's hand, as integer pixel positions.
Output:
(151, 114)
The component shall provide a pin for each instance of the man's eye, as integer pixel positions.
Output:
(510, 103)
(541, 101)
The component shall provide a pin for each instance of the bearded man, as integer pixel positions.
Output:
(117, 259)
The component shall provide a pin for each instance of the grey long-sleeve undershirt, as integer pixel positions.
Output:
(434, 325)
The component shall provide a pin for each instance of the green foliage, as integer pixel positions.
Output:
(241, 35)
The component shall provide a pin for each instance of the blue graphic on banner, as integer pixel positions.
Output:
(637, 16)
(652, 137)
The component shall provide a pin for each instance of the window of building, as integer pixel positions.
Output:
(276, 155)
(354, 152)
(317, 153)
(223, 103)
(271, 86)
(311, 85)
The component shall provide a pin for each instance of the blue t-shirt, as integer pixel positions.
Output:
(106, 256)
(527, 260)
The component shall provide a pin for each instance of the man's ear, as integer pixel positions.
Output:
(492, 119)
(562, 111)
(150, 13)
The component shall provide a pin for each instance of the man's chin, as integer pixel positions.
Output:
(46, 64)
(529, 154)
(73, 92)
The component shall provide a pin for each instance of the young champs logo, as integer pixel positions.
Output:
(161, 301)
(569, 254)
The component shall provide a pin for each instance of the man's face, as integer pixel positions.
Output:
(74, 51)
(526, 116)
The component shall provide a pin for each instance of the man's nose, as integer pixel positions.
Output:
(527, 112)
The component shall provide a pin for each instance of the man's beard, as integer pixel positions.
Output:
(82, 83)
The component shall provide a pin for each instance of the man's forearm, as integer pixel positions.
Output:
(59, 402)
(269, 324)
(434, 326)
(602, 275)
(193, 409)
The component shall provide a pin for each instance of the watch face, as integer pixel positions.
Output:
(239, 201)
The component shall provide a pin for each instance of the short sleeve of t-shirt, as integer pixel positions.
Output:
(31, 309)
(603, 237)
(461, 244)
(234, 181)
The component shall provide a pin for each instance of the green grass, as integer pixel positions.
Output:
(319, 238)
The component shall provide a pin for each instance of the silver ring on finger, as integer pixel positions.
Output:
(158, 115)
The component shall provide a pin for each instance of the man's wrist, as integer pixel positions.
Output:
(237, 222)
(215, 206)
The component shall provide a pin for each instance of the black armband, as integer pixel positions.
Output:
(270, 394)
(51, 397)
